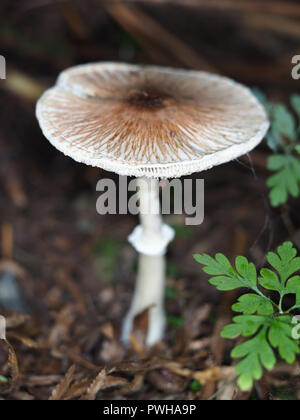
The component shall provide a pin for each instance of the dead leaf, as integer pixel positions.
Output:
(108, 330)
(191, 328)
(103, 381)
(42, 380)
(214, 374)
(13, 368)
(15, 319)
(78, 359)
(25, 340)
(140, 329)
(134, 386)
(77, 389)
(95, 386)
(23, 396)
(60, 390)
(73, 288)
(111, 352)
(167, 381)
(64, 320)
(137, 347)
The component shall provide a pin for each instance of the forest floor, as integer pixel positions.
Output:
(73, 271)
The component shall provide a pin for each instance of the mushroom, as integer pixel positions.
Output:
(150, 122)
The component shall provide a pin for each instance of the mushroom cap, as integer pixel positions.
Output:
(150, 121)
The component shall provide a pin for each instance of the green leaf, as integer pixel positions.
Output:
(274, 142)
(249, 370)
(231, 331)
(293, 287)
(249, 304)
(257, 353)
(295, 100)
(286, 181)
(225, 284)
(280, 336)
(225, 276)
(245, 325)
(297, 148)
(276, 162)
(295, 165)
(246, 270)
(269, 280)
(284, 123)
(218, 266)
(285, 263)
(265, 329)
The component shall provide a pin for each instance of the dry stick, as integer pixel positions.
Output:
(23, 85)
(218, 345)
(7, 241)
(143, 26)
(277, 24)
(276, 7)
(12, 181)
(15, 190)
(74, 21)
(149, 32)
(116, 13)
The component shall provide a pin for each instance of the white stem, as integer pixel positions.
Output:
(150, 239)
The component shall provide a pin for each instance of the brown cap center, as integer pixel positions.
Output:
(146, 98)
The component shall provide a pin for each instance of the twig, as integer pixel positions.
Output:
(74, 21)
(23, 85)
(11, 178)
(276, 6)
(7, 241)
(147, 29)
(15, 190)
(277, 24)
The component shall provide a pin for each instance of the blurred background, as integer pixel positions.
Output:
(67, 274)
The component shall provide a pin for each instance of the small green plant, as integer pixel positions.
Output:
(266, 324)
(195, 385)
(182, 231)
(171, 293)
(106, 256)
(175, 321)
(283, 140)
